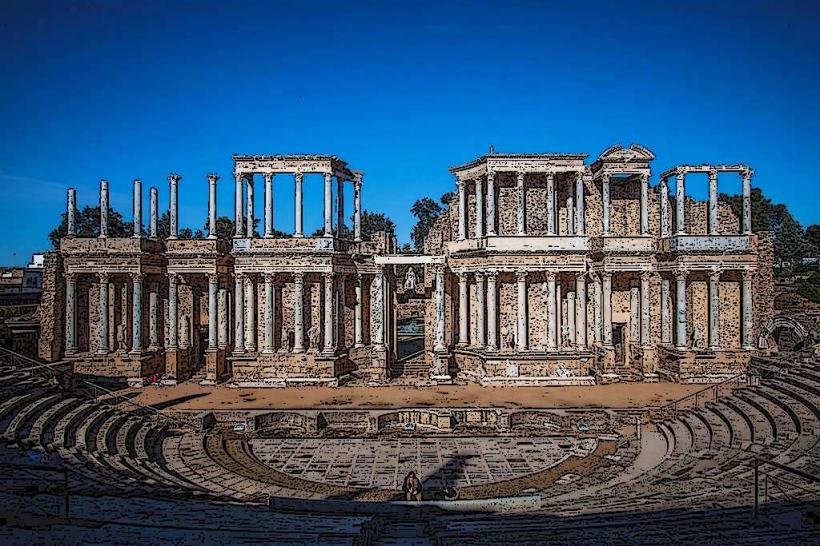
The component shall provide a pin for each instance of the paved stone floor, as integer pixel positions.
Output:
(438, 461)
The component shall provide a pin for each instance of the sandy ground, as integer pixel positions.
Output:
(191, 396)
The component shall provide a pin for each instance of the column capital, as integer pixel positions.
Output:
(680, 172)
(713, 174)
(644, 177)
(328, 176)
(462, 276)
(239, 276)
(580, 275)
(268, 177)
(521, 275)
(747, 173)
(328, 276)
(606, 275)
(71, 276)
(552, 275)
(714, 274)
(213, 278)
(479, 275)
(173, 178)
(680, 274)
(269, 277)
(460, 183)
(646, 275)
(747, 274)
(212, 178)
(103, 276)
(519, 177)
(490, 174)
(297, 176)
(173, 278)
(299, 276)
(664, 184)
(492, 275)
(137, 277)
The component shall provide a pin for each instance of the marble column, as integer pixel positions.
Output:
(492, 311)
(605, 195)
(298, 228)
(102, 346)
(551, 203)
(239, 314)
(213, 281)
(357, 209)
(644, 204)
(645, 301)
(212, 178)
(103, 208)
(665, 220)
(173, 182)
(328, 308)
(520, 211)
(581, 310)
(268, 205)
(681, 341)
(439, 339)
(479, 207)
(250, 306)
(462, 210)
(173, 311)
(377, 309)
(480, 308)
(491, 203)
(222, 302)
(570, 215)
(580, 221)
(70, 314)
(597, 308)
(298, 312)
(521, 341)
(747, 319)
(635, 315)
(680, 202)
(358, 340)
(153, 206)
(606, 298)
(552, 312)
(270, 298)
(328, 228)
(463, 320)
(137, 209)
(70, 213)
(747, 202)
(666, 312)
(571, 331)
(714, 226)
(238, 214)
(340, 206)
(714, 310)
(153, 318)
(249, 222)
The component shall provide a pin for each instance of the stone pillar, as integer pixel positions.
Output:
(463, 319)
(480, 308)
(173, 181)
(328, 205)
(298, 228)
(102, 347)
(552, 312)
(680, 202)
(439, 340)
(239, 313)
(521, 339)
(377, 309)
(250, 304)
(212, 178)
(268, 205)
(270, 297)
(607, 308)
(634, 315)
(570, 216)
(238, 214)
(462, 210)
(580, 221)
(137, 209)
(491, 203)
(173, 312)
(551, 203)
(70, 314)
(479, 208)
(714, 310)
(153, 318)
(645, 300)
(644, 204)
(103, 208)
(598, 318)
(340, 206)
(581, 311)
(492, 311)
(747, 202)
(681, 341)
(213, 280)
(357, 209)
(153, 205)
(358, 340)
(571, 316)
(666, 312)
(298, 312)
(520, 213)
(222, 301)
(605, 196)
(249, 208)
(328, 322)
(714, 228)
(70, 213)
(747, 310)
(665, 221)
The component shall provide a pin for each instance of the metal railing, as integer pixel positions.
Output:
(698, 399)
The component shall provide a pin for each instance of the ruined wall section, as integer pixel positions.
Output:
(51, 311)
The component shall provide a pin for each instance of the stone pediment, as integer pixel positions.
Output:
(634, 154)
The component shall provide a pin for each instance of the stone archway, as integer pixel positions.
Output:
(782, 332)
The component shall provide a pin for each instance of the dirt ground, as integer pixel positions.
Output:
(191, 396)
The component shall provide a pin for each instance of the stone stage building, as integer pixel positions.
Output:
(544, 270)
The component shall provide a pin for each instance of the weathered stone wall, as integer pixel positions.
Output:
(51, 311)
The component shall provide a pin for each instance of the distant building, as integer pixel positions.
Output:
(23, 280)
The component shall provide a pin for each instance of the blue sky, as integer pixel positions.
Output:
(124, 90)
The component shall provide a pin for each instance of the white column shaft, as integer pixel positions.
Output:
(521, 205)
(137, 209)
(479, 208)
(357, 211)
(580, 220)
(747, 202)
(340, 206)
(239, 314)
(680, 321)
(551, 203)
(70, 213)
(581, 311)
(605, 195)
(463, 300)
(71, 314)
(521, 339)
(552, 313)
(269, 302)
(249, 222)
(607, 309)
(491, 204)
(492, 312)
(714, 228)
(714, 311)
(173, 211)
(357, 327)
(462, 211)
(103, 208)
(598, 318)
(666, 224)
(666, 312)
(328, 205)
(212, 207)
(480, 308)
(298, 314)
(238, 214)
(747, 311)
(173, 313)
(645, 318)
(439, 341)
(298, 227)
(644, 204)
(680, 203)
(104, 330)
(222, 300)
(329, 304)
(212, 312)
(153, 206)
(571, 317)
(268, 205)
(250, 307)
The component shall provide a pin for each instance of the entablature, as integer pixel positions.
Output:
(287, 164)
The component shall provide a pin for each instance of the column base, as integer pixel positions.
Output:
(298, 350)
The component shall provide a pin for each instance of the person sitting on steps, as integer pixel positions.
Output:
(412, 487)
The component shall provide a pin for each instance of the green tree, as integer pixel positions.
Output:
(813, 238)
(87, 224)
(373, 222)
(810, 288)
(426, 211)
(226, 228)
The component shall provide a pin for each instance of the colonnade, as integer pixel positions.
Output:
(606, 195)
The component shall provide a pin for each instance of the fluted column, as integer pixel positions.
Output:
(328, 308)
(298, 313)
(439, 340)
(462, 309)
(213, 280)
(173, 311)
(747, 202)
(103, 208)
(520, 211)
(492, 311)
(102, 346)
(222, 301)
(249, 222)
(136, 207)
(680, 202)
(239, 314)
(250, 306)
(552, 316)
(70, 212)
(581, 311)
(479, 208)
(377, 309)
(645, 299)
(270, 297)
(605, 196)
(580, 221)
(357, 209)
(681, 341)
(340, 206)
(665, 220)
(268, 205)
(298, 228)
(173, 182)
(713, 202)
(153, 208)
(666, 312)
(328, 205)
(607, 308)
(597, 308)
(70, 314)
(714, 310)
(212, 178)
(748, 342)
(358, 340)
(238, 214)
(491, 203)
(644, 204)
(462, 210)
(153, 318)
(522, 338)
(480, 309)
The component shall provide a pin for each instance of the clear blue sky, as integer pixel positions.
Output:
(124, 90)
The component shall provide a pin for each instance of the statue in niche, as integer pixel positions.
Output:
(410, 280)
(566, 339)
(313, 338)
(697, 339)
(121, 346)
(507, 338)
(285, 340)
